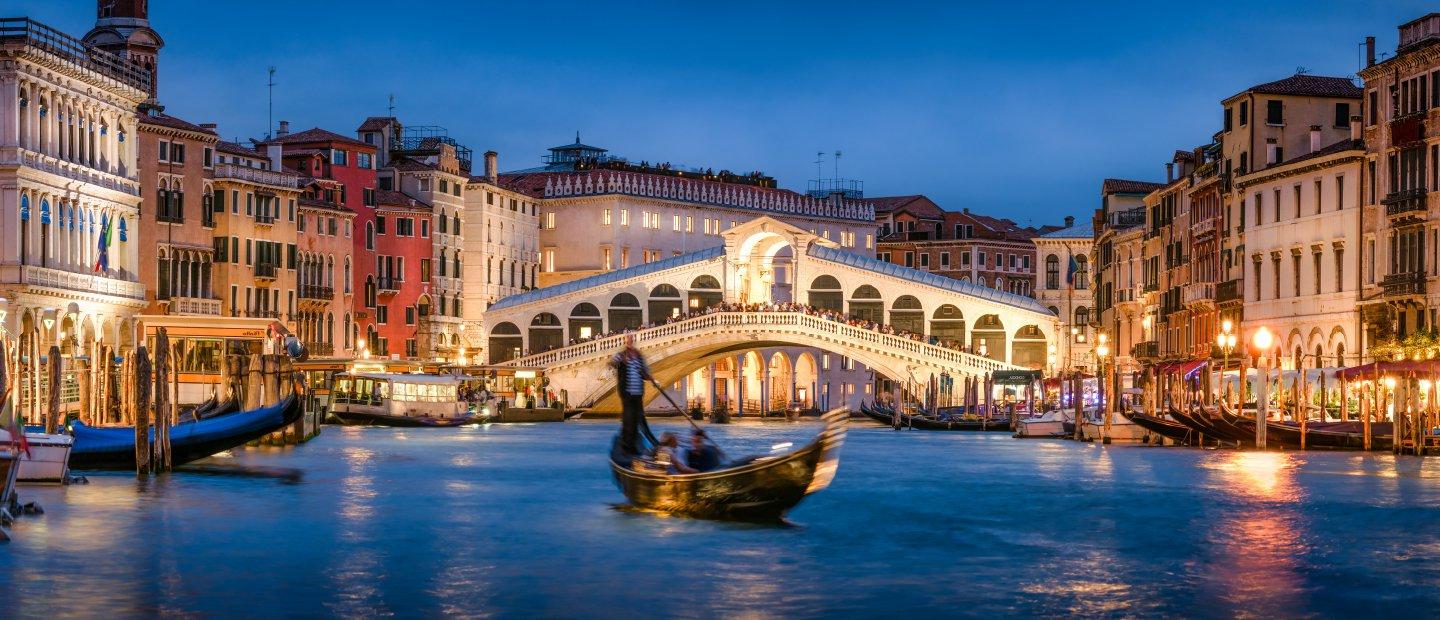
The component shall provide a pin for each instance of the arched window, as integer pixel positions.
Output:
(444, 254)
(1052, 272)
(1082, 272)
(370, 235)
(347, 275)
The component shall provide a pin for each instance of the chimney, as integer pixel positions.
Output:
(284, 129)
(275, 153)
(1369, 51)
(210, 126)
(1271, 151)
(492, 166)
(1355, 127)
(1170, 172)
(1314, 138)
(1069, 221)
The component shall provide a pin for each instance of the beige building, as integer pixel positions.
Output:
(1302, 229)
(256, 204)
(1064, 286)
(68, 174)
(1119, 258)
(500, 233)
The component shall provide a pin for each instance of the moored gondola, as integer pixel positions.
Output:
(760, 488)
(114, 447)
(886, 416)
(1169, 429)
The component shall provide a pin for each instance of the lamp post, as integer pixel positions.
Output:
(1225, 340)
(1263, 341)
(1102, 349)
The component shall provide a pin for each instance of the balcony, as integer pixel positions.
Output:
(256, 175)
(256, 314)
(1228, 291)
(266, 271)
(1203, 228)
(1408, 129)
(320, 349)
(1404, 284)
(1151, 287)
(317, 293)
(1405, 203)
(1198, 295)
(87, 283)
(194, 306)
(1150, 349)
(1129, 295)
(387, 286)
(264, 219)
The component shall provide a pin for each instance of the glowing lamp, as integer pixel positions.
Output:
(1263, 340)
(1226, 326)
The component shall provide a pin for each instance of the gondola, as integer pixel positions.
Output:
(1212, 424)
(210, 409)
(1169, 429)
(1332, 435)
(885, 416)
(574, 413)
(760, 488)
(114, 447)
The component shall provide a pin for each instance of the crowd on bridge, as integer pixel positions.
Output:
(828, 314)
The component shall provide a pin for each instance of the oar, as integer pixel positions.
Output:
(686, 416)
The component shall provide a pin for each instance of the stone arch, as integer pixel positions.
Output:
(987, 337)
(781, 375)
(624, 312)
(867, 305)
(807, 380)
(1028, 348)
(546, 333)
(825, 293)
(585, 322)
(664, 302)
(505, 343)
(948, 324)
(705, 292)
(906, 314)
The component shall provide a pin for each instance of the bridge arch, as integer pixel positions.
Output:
(624, 312)
(906, 314)
(948, 324)
(664, 302)
(866, 304)
(987, 338)
(825, 292)
(1029, 348)
(505, 344)
(585, 322)
(705, 292)
(546, 333)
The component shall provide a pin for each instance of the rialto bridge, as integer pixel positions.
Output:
(683, 313)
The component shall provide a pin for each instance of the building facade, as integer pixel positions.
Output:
(1119, 284)
(501, 251)
(69, 180)
(1065, 288)
(991, 252)
(325, 262)
(256, 202)
(176, 159)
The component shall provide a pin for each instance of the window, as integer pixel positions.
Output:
(925, 259)
(1318, 192)
(1244, 114)
(1373, 106)
(362, 160)
(945, 259)
(624, 217)
(1317, 272)
(164, 152)
(369, 235)
(605, 217)
(1052, 272)
(605, 261)
(404, 227)
(1342, 115)
(207, 157)
(338, 157)
(674, 223)
(177, 153)
(549, 220)
(909, 259)
(1339, 269)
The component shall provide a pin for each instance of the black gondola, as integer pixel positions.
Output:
(755, 489)
(114, 447)
(1169, 429)
(1213, 424)
(885, 415)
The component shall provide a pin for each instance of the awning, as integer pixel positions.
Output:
(1014, 377)
(1421, 368)
(1185, 369)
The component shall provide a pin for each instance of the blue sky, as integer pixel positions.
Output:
(1016, 109)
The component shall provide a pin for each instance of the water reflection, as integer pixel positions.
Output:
(1257, 542)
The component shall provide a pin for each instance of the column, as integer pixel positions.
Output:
(10, 125)
(739, 378)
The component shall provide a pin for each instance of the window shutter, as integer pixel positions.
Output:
(290, 260)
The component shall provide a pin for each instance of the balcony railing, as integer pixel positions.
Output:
(79, 282)
(322, 349)
(1404, 284)
(194, 306)
(319, 293)
(266, 270)
(73, 51)
(264, 219)
(1203, 227)
(255, 314)
(1198, 294)
(256, 175)
(1228, 290)
(387, 286)
(1151, 287)
(1128, 295)
(1149, 349)
(1404, 202)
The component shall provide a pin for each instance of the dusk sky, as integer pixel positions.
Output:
(1014, 109)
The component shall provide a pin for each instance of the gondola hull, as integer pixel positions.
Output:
(363, 418)
(760, 489)
(1169, 429)
(114, 448)
(932, 424)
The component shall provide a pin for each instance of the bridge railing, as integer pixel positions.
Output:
(842, 331)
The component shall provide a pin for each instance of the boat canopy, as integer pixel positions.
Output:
(1405, 368)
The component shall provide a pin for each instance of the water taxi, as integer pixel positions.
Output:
(398, 399)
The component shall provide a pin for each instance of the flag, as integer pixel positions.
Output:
(102, 262)
(1070, 270)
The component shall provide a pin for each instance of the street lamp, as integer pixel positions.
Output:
(1102, 350)
(1225, 340)
(1263, 340)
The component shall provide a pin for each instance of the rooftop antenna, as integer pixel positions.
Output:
(390, 111)
(1301, 70)
(819, 159)
(837, 164)
(270, 122)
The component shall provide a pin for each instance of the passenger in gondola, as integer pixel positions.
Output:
(669, 455)
(631, 372)
(701, 456)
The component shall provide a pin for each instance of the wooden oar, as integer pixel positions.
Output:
(685, 415)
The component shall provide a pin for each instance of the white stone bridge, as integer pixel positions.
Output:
(761, 261)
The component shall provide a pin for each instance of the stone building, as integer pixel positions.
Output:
(176, 160)
(1065, 288)
(501, 248)
(68, 179)
(256, 204)
(325, 264)
(992, 252)
(1119, 286)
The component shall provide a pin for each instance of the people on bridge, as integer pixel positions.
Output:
(631, 373)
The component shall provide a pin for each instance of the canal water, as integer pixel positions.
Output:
(519, 520)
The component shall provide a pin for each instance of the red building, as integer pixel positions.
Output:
(992, 252)
(329, 156)
(400, 261)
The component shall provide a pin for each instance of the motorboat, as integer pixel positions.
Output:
(48, 459)
(1049, 424)
(399, 399)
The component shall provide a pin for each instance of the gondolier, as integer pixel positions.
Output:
(631, 373)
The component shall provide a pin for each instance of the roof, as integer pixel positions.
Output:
(316, 134)
(406, 164)
(917, 205)
(1307, 86)
(376, 123)
(1339, 147)
(393, 198)
(926, 278)
(576, 146)
(609, 277)
(238, 149)
(162, 119)
(1080, 231)
(1126, 186)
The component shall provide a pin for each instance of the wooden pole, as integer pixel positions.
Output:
(140, 382)
(162, 401)
(52, 400)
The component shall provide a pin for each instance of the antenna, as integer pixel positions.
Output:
(819, 159)
(390, 111)
(270, 122)
(837, 163)
(1301, 70)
